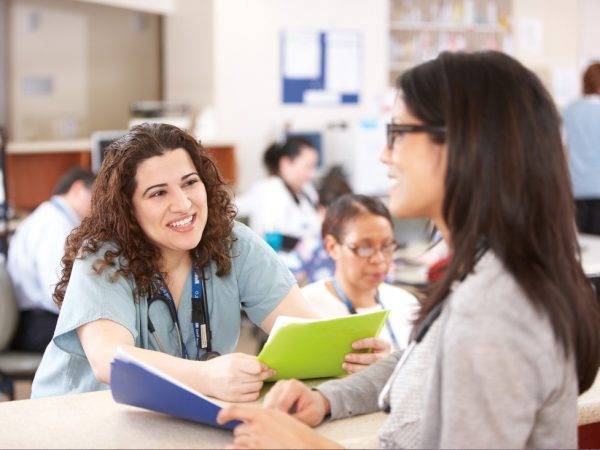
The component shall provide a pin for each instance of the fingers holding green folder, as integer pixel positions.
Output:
(305, 348)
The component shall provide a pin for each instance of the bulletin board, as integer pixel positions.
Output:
(321, 67)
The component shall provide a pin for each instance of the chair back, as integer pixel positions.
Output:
(9, 310)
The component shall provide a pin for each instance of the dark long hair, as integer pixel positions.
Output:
(112, 219)
(507, 184)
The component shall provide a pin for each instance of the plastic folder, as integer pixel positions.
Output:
(135, 383)
(301, 348)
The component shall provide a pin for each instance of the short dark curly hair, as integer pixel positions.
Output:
(112, 218)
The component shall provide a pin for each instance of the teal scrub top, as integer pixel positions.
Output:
(257, 283)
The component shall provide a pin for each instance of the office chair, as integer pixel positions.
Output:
(13, 365)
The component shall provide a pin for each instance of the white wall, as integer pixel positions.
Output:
(557, 61)
(188, 42)
(247, 68)
(244, 85)
(590, 31)
(96, 59)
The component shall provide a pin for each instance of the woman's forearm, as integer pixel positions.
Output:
(184, 370)
(101, 339)
(342, 394)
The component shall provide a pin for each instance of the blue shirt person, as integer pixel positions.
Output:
(582, 135)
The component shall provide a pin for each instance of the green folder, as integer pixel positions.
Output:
(304, 348)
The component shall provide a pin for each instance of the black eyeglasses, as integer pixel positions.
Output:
(397, 129)
(366, 251)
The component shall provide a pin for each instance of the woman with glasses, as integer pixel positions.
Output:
(358, 234)
(512, 328)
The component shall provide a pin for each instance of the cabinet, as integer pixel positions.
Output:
(421, 29)
(32, 169)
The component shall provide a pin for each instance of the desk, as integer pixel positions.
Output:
(94, 420)
(590, 253)
(409, 272)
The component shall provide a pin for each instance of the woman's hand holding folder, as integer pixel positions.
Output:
(370, 350)
(235, 377)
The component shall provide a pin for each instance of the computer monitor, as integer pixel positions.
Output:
(99, 141)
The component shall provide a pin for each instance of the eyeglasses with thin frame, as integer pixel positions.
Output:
(398, 129)
(367, 251)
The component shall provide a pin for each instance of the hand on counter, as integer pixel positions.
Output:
(268, 428)
(295, 398)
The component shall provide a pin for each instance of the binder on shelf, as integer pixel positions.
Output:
(309, 348)
(136, 383)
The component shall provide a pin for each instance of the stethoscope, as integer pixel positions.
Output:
(383, 401)
(200, 317)
(344, 298)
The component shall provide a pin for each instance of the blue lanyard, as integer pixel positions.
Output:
(69, 215)
(199, 321)
(200, 314)
(344, 298)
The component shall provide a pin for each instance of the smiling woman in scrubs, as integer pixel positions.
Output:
(162, 228)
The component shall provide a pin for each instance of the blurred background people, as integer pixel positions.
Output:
(312, 262)
(35, 253)
(283, 207)
(581, 121)
(358, 234)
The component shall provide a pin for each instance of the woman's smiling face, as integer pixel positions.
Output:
(417, 168)
(170, 201)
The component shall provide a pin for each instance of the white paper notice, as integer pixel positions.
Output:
(530, 36)
(342, 69)
(301, 54)
(565, 85)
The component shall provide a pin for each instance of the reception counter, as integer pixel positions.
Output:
(94, 420)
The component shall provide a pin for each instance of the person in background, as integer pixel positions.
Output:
(581, 121)
(511, 330)
(358, 234)
(312, 262)
(285, 203)
(34, 257)
(161, 270)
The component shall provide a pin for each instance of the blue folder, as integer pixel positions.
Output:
(134, 383)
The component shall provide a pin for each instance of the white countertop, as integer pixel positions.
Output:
(95, 420)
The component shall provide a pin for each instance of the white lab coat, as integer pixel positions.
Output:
(35, 252)
(270, 207)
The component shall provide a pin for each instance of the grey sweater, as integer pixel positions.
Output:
(496, 378)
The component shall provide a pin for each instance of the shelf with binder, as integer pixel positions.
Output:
(420, 30)
(400, 25)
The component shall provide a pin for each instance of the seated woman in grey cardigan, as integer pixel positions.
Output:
(475, 146)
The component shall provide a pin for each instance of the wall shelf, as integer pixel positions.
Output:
(421, 29)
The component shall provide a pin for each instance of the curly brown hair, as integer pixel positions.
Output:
(112, 218)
